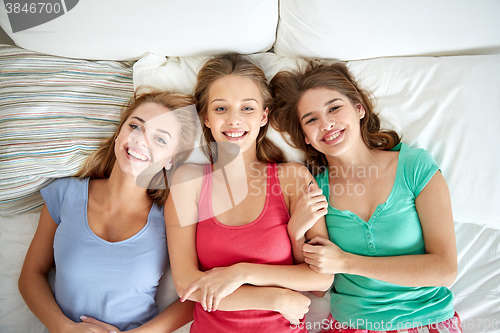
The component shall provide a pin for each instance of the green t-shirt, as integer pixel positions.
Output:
(394, 229)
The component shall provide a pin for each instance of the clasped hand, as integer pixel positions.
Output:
(216, 284)
(323, 256)
(311, 206)
(220, 282)
(94, 326)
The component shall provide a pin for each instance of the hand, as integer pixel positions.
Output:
(323, 256)
(293, 305)
(309, 208)
(97, 326)
(216, 284)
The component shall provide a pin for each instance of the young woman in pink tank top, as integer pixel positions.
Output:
(237, 226)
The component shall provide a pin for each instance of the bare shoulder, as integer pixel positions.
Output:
(187, 173)
(294, 179)
(185, 188)
(291, 171)
(186, 183)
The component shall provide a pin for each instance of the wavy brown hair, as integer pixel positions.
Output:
(238, 65)
(101, 162)
(288, 87)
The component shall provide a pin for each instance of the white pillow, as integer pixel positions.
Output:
(362, 29)
(173, 73)
(128, 29)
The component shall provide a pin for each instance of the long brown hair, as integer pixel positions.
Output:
(101, 162)
(239, 65)
(288, 88)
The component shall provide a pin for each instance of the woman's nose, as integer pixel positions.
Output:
(234, 118)
(140, 139)
(327, 124)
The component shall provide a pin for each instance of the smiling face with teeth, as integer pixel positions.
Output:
(235, 111)
(151, 133)
(330, 121)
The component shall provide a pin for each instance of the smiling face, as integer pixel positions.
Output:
(330, 122)
(235, 111)
(150, 134)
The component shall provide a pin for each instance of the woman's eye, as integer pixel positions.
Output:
(161, 140)
(334, 108)
(135, 127)
(220, 109)
(248, 108)
(310, 120)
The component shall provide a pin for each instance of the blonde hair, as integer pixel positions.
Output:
(101, 162)
(288, 87)
(238, 65)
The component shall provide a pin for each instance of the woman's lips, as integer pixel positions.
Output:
(235, 135)
(333, 136)
(136, 155)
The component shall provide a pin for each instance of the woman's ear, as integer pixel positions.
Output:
(207, 123)
(306, 140)
(265, 118)
(361, 110)
(168, 166)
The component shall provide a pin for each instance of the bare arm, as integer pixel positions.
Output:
(438, 267)
(307, 206)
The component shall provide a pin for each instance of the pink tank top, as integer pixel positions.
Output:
(263, 241)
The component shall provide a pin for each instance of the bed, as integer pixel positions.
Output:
(433, 67)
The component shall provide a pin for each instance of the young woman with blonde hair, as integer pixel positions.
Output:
(106, 234)
(241, 221)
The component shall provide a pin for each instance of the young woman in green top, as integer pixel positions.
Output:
(391, 234)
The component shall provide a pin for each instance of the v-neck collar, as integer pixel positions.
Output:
(380, 207)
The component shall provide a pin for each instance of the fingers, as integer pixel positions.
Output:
(314, 253)
(90, 320)
(320, 208)
(216, 303)
(315, 268)
(315, 198)
(311, 261)
(309, 248)
(317, 207)
(317, 265)
(189, 290)
(316, 245)
(318, 240)
(210, 299)
(313, 192)
(213, 300)
(206, 298)
(100, 327)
